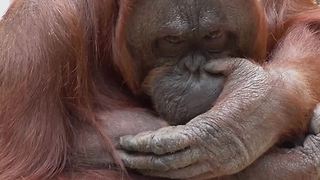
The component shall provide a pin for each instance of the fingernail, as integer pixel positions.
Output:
(127, 143)
(124, 140)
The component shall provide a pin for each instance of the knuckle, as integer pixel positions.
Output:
(241, 63)
(157, 145)
(161, 164)
(173, 162)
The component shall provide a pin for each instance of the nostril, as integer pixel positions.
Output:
(193, 63)
(192, 66)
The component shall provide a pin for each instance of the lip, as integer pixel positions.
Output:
(179, 98)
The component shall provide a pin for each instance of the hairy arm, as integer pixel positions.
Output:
(258, 106)
(89, 150)
(297, 60)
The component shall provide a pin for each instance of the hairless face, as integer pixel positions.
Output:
(174, 39)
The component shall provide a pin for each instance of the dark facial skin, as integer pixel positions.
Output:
(174, 39)
(258, 105)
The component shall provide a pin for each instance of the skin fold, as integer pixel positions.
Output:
(242, 124)
(232, 78)
(301, 162)
(175, 47)
(206, 143)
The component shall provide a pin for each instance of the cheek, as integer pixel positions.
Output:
(178, 99)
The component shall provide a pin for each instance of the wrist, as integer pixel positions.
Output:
(294, 99)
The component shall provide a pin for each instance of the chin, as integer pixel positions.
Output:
(180, 98)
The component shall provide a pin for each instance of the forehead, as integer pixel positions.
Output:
(192, 12)
(194, 7)
(176, 10)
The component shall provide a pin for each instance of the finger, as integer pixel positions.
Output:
(161, 163)
(226, 66)
(315, 122)
(183, 173)
(162, 141)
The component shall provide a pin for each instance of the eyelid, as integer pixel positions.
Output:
(215, 34)
(173, 39)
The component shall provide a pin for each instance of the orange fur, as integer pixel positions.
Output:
(64, 60)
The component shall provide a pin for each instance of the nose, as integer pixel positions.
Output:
(194, 62)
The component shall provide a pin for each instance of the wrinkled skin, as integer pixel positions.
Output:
(64, 62)
(175, 46)
(226, 139)
(301, 162)
(93, 154)
(192, 62)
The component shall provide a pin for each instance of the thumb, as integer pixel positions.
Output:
(226, 66)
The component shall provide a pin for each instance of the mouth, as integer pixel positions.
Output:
(180, 98)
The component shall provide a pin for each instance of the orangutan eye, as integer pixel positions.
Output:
(173, 39)
(214, 35)
(171, 46)
(216, 41)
